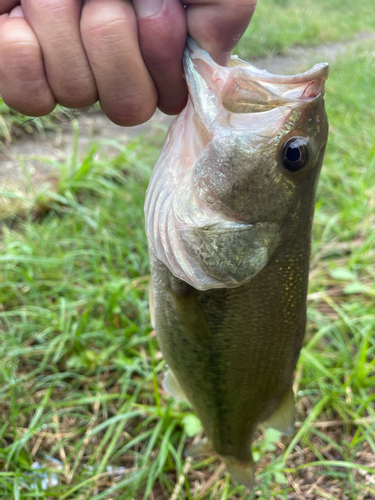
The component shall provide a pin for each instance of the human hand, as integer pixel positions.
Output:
(126, 54)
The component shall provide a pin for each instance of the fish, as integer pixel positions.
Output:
(229, 213)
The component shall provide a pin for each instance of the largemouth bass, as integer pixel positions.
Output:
(229, 213)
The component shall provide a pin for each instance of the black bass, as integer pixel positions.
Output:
(229, 213)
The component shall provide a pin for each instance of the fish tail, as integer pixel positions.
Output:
(243, 472)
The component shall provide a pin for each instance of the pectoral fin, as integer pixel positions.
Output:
(151, 304)
(283, 418)
(171, 385)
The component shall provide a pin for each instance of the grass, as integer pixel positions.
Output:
(14, 125)
(279, 24)
(82, 414)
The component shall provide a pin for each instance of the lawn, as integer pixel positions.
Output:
(82, 412)
(278, 24)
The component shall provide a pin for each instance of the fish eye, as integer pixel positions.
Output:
(294, 153)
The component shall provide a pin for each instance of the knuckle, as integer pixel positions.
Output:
(23, 82)
(162, 41)
(49, 6)
(167, 56)
(22, 62)
(34, 100)
(172, 108)
(99, 28)
(20, 50)
(103, 26)
(15, 34)
(75, 97)
(77, 89)
(130, 112)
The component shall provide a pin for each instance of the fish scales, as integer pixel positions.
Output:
(220, 363)
(229, 216)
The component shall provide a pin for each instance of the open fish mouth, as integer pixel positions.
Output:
(228, 254)
(243, 88)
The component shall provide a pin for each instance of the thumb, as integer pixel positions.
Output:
(7, 5)
(217, 25)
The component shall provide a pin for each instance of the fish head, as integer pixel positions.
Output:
(255, 144)
(265, 139)
(249, 176)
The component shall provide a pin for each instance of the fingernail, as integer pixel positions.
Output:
(16, 12)
(223, 58)
(147, 8)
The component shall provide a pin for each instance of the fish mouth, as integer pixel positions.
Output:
(243, 88)
(228, 254)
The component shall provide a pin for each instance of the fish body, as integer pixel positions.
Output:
(229, 213)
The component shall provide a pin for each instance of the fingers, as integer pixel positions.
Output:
(42, 59)
(162, 38)
(56, 24)
(128, 54)
(217, 25)
(126, 90)
(7, 5)
(23, 83)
